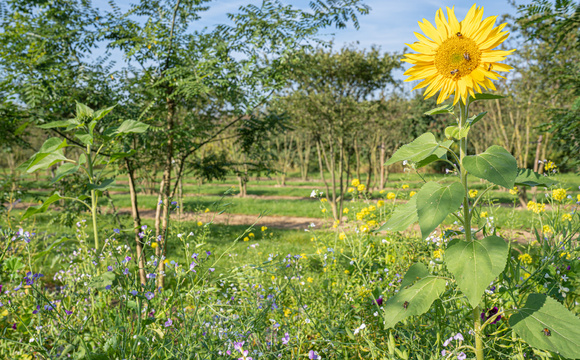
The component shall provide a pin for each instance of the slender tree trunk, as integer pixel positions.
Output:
(140, 258)
(161, 250)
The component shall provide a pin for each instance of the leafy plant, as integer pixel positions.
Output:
(82, 132)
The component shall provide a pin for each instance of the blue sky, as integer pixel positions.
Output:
(389, 25)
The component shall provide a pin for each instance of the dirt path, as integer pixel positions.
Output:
(271, 221)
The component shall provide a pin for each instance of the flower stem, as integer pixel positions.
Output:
(467, 221)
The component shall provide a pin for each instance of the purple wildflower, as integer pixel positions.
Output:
(117, 231)
(168, 323)
(490, 313)
(461, 356)
(379, 301)
(286, 339)
(149, 295)
(313, 355)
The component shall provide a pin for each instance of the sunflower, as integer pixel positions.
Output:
(458, 59)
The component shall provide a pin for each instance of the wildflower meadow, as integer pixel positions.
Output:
(249, 192)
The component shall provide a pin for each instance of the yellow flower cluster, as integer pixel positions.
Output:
(365, 228)
(550, 166)
(514, 191)
(559, 194)
(567, 255)
(350, 189)
(525, 258)
(264, 228)
(412, 193)
(361, 188)
(391, 196)
(483, 214)
(366, 213)
(547, 229)
(536, 207)
(472, 193)
(380, 203)
(438, 254)
(342, 236)
(355, 182)
(567, 217)
(405, 186)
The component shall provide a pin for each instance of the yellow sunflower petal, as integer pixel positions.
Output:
(431, 31)
(454, 26)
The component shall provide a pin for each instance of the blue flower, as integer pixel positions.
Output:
(149, 295)
(168, 323)
(117, 231)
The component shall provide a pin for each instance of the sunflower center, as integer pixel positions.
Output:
(457, 56)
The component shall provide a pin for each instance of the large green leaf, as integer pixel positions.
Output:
(132, 126)
(527, 177)
(403, 216)
(55, 124)
(415, 300)
(44, 161)
(541, 313)
(416, 272)
(102, 281)
(65, 170)
(33, 210)
(435, 202)
(472, 120)
(104, 185)
(495, 165)
(476, 264)
(419, 149)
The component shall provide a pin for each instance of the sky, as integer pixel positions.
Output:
(389, 25)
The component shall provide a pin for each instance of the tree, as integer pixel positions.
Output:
(329, 97)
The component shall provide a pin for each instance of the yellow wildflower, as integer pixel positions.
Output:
(559, 194)
(323, 210)
(364, 229)
(154, 245)
(350, 189)
(264, 228)
(251, 235)
(412, 193)
(567, 255)
(391, 196)
(199, 223)
(405, 186)
(483, 214)
(372, 208)
(287, 312)
(514, 191)
(547, 229)
(380, 203)
(550, 166)
(246, 239)
(273, 278)
(372, 223)
(345, 211)
(323, 200)
(361, 187)
(472, 193)
(303, 256)
(206, 210)
(566, 217)
(525, 258)
(382, 191)
(355, 182)
(346, 272)
(438, 254)
(310, 280)
(342, 236)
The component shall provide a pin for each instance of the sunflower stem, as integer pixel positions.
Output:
(463, 108)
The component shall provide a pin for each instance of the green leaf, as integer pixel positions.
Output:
(132, 126)
(412, 301)
(453, 132)
(445, 109)
(476, 264)
(122, 155)
(84, 111)
(55, 124)
(474, 119)
(99, 114)
(52, 144)
(542, 312)
(435, 202)
(416, 272)
(44, 161)
(33, 210)
(527, 177)
(485, 97)
(51, 247)
(495, 165)
(65, 170)
(440, 153)
(403, 216)
(417, 150)
(104, 185)
(86, 139)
